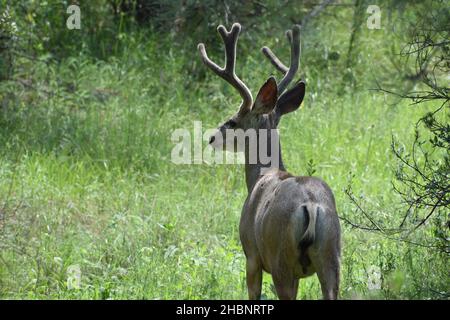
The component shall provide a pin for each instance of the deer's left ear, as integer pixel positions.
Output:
(266, 98)
(291, 99)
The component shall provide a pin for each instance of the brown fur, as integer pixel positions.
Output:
(282, 175)
(273, 223)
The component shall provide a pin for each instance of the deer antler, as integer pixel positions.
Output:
(228, 72)
(289, 73)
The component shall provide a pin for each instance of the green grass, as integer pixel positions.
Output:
(86, 180)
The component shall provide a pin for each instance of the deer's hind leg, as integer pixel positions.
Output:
(328, 274)
(286, 286)
(254, 278)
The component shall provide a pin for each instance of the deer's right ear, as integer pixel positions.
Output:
(267, 97)
(291, 99)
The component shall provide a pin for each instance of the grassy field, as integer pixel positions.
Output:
(87, 183)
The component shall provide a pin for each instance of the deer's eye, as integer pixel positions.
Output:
(232, 124)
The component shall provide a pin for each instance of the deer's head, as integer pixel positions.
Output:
(272, 100)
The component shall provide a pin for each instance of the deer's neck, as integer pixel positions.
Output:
(255, 169)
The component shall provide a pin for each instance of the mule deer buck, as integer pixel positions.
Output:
(289, 225)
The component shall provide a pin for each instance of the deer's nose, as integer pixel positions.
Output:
(211, 139)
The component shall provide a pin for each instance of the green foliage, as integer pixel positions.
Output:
(86, 179)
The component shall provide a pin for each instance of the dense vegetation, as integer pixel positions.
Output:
(87, 184)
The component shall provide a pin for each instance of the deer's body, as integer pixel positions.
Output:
(289, 226)
(275, 217)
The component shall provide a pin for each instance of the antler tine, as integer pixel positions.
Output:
(228, 71)
(274, 60)
(289, 73)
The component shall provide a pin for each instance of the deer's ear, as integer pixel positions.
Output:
(267, 97)
(291, 99)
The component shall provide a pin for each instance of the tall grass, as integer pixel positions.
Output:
(86, 179)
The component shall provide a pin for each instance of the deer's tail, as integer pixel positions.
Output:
(310, 210)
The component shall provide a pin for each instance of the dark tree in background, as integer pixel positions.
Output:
(423, 173)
